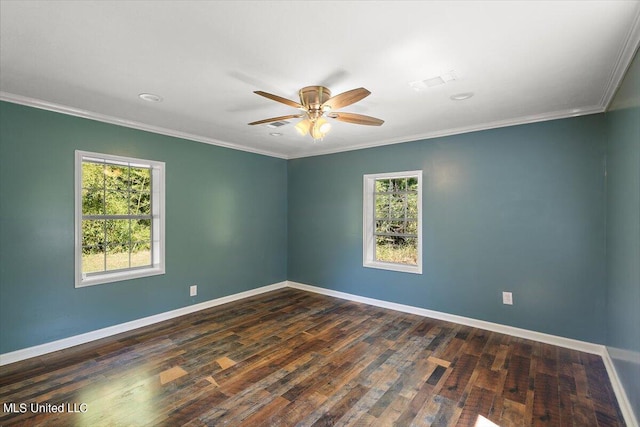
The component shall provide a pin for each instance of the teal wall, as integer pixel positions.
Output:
(623, 234)
(524, 209)
(520, 209)
(226, 216)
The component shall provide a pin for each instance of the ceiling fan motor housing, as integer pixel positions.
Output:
(312, 98)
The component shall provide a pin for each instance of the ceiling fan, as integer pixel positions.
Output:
(316, 104)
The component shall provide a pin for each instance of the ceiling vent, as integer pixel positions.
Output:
(433, 81)
(276, 125)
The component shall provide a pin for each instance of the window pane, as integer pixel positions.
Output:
(382, 206)
(382, 185)
(140, 203)
(92, 202)
(398, 250)
(412, 205)
(141, 243)
(382, 226)
(397, 206)
(399, 184)
(141, 230)
(412, 184)
(116, 177)
(92, 259)
(396, 227)
(117, 203)
(140, 256)
(92, 232)
(140, 179)
(117, 257)
(92, 175)
(412, 227)
(118, 231)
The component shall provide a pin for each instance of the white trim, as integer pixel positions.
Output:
(368, 222)
(583, 346)
(586, 347)
(623, 62)
(618, 389)
(535, 118)
(71, 111)
(39, 350)
(50, 106)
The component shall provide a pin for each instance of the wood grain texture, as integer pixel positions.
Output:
(291, 357)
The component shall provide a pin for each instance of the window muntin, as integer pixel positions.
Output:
(392, 223)
(119, 218)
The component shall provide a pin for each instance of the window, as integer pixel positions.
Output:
(392, 228)
(119, 218)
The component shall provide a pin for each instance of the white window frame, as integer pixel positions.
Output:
(369, 213)
(157, 221)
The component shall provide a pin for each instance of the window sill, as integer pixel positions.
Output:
(403, 268)
(118, 276)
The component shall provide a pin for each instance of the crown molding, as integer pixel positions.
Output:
(555, 115)
(625, 57)
(50, 106)
(71, 111)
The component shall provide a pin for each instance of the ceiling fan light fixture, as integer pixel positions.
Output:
(319, 129)
(303, 126)
(316, 135)
(323, 126)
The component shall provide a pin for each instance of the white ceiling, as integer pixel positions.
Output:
(525, 61)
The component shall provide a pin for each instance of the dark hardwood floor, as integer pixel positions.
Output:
(290, 357)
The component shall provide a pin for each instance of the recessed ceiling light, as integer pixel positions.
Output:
(461, 96)
(150, 97)
(275, 134)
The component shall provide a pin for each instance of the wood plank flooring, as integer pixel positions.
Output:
(290, 357)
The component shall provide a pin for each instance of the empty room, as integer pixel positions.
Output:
(319, 213)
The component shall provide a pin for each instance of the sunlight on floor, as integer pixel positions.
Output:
(125, 400)
(483, 422)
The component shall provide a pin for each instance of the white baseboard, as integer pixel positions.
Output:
(583, 346)
(39, 350)
(587, 347)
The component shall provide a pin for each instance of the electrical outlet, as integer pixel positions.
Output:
(507, 298)
(193, 290)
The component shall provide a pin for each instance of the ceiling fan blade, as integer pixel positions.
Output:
(347, 98)
(278, 99)
(358, 119)
(276, 119)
